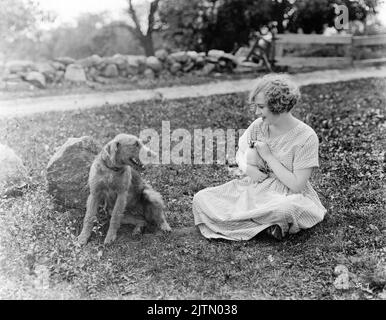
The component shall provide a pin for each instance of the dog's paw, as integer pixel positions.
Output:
(82, 240)
(138, 230)
(110, 238)
(165, 227)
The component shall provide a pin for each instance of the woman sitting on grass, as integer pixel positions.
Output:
(278, 153)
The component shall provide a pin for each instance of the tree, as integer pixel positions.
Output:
(224, 24)
(92, 34)
(219, 24)
(314, 15)
(145, 37)
(17, 18)
(237, 20)
(183, 22)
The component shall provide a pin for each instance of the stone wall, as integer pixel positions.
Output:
(101, 69)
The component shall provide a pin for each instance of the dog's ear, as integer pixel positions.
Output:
(114, 147)
(110, 151)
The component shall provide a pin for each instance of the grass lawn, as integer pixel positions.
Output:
(39, 257)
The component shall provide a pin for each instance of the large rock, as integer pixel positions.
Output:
(111, 71)
(208, 68)
(13, 174)
(189, 66)
(149, 74)
(161, 54)
(175, 67)
(17, 66)
(216, 53)
(180, 56)
(75, 73)
(68, 170)
(133, 61)
(119, 60)
(36, 78)
(65, 60)
(192, 55)
(58, 66)
(212, 59)
(46, 69)
(154, 64)
(136, 64)
(91, 61)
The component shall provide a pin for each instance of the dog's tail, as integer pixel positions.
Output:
(154, 208)
(152, 196)
(153, 204)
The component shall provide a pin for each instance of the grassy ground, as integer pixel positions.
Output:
(40, 258)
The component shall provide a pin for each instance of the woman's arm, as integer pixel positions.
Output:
(295, 181)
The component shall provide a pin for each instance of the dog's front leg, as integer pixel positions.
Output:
(89, 218)
(116, 217)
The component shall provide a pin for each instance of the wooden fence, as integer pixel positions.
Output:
(348, 42)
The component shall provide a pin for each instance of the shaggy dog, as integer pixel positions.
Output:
(113, 180)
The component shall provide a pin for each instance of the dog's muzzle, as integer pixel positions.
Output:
(136, 162)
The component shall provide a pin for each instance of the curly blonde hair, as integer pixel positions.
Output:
(280, 92)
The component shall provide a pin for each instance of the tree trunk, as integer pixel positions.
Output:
(145, 39)
(147, 44)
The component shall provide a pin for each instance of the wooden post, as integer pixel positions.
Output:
(349, 51)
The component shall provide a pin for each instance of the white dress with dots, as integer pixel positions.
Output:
(241, 208)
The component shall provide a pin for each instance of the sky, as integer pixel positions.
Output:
(68, 10)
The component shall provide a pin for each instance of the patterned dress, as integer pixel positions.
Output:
(241, 208)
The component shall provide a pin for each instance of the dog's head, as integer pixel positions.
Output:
(124, 150)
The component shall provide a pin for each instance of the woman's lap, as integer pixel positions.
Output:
(216, 211)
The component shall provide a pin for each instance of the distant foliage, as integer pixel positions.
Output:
(91, 35)
(18, 19)
(314, 15)
(226, 24)
(199, 25)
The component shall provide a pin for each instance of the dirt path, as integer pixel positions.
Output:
(26, 106)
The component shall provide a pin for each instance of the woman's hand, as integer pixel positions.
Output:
(263, 149)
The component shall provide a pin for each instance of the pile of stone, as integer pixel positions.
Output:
(102, 69)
